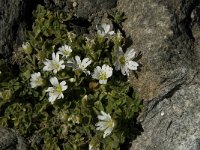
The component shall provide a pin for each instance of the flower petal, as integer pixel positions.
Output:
(103, 81)
(54, 81)
(60, 96)
(97, 70)
(111, 32)
(132, 65)
(105, 114)
(130, 54)
(106, 27)
(50, 89)
(107, 132)
(78, 60)
(86, 62)
(52, 97)
(124, 70)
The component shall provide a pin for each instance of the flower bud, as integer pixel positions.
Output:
(6, 95)
(27, 48)
(72, 80)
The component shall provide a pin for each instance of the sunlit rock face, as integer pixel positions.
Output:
(167, 33)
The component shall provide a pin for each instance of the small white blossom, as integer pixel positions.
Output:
(65, 50)
(102, 74)
(124, 61)
(106, 123)
(77, 64)
(36, 80)
(56, 92)
(54, 65)
(104, 30)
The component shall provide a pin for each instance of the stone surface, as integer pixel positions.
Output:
(167, 33)
(87, 8)
(15, 16)
(161, 32)
(11, 140)
(173, 123)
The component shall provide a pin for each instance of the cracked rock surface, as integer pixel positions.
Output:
(167, 32)
(11, 140)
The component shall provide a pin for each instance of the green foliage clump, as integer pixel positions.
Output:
(68, 123)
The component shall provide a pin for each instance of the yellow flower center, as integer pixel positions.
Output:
(66, 52)
(102, 76)
(59, 89)
(122, 60)
(110, 123)
(39, 81)
(55, 65)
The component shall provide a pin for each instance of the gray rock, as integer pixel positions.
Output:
(87, 8)
(15, 17)
(173, 123)
(11, 140)
(167, 33)
(9, 25)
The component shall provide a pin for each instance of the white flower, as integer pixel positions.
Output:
(55, 64)
(102, 74)
(36, 80)
(104, 30)
(77, 64)
(65, 50)
(55, 92)
(105, 123)
(124, 61)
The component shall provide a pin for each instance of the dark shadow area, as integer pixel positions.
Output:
(135, 130)
(27, 15)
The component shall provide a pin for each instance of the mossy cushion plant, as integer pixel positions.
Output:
(71, 92)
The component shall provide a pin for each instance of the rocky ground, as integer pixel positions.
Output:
(166, 32)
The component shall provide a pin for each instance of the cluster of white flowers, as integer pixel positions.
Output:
(122, 61)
